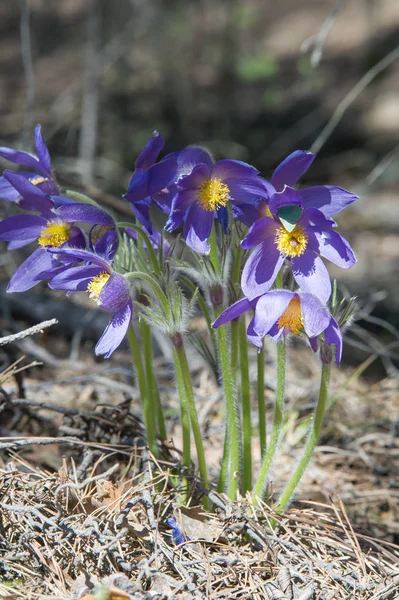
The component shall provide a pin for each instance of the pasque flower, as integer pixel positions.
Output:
(110, 290)
(53, 228)
(39, 174)
(205, 189)
(151, 181)
(280, 312)
(302, 242)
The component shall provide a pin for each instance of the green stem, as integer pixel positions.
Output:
(184, 414)
(152, 386)
(185, 369)
(312, 439)
(232, 413)
(153, 257)
(260, 486)
(246, 404)
(261, 401)
(140, 374)
(213, 255)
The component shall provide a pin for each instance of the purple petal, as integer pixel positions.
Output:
(155, 179)
(333, 335)
(313, 217)
(24, 277)
(74, 279)
(198, 175)
(231, 169)
(150, 152)
(311, 275)
(234, 311)
(246, 190)
(115, 293)
(8, 191)
(16, 244)
(261, 269)
(334, 247)
(197, 228)
(269, 309)
(22, 227)
(292, 168)
(33, 196)
(42, 151)
(315, 316)
(84, 213)
(287, 197)
(190, 157)
(142, 214)
(330, 199)
(261, 230)
(115, 331)
(180, 204)
(81, 255)
(163, 199)
(22, 158)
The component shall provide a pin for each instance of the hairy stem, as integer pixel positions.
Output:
(246, 404)
(261, 401)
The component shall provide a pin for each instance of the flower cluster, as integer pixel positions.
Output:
(77, 241)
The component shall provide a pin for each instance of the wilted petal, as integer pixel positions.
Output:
(261, 268)
(42, 151)
(197, 228)
(315, 316)
(234, 311)
(292, 168)
(330, 199)
(311, 275)
(115, 331)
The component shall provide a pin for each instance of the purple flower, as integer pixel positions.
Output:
(205, 189)
(281, 312)
(40, 173)
(303, 243)
(151, 181)
(177, 535)
(51, 229)
(108, 289)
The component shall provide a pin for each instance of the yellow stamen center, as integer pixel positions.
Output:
(213, 194)
(291, 243)
(37, 180)
(96, 285)
(292, 319)
(55, 234)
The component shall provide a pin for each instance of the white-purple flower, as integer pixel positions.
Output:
(281, 312)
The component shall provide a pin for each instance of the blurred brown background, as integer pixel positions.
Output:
(250, 79)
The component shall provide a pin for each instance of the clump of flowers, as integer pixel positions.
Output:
(222, 208)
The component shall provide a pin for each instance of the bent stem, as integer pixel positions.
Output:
(141, 380)
(195, 426)
(312, 440)
(260, 486)
(246, 404)
(261, 401)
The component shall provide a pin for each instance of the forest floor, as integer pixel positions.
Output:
(83, 504)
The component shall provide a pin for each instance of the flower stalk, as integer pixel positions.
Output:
(246, 406)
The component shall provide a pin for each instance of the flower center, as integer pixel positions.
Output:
(292, 319)
(54, 235)
(213, 194)
(96, 285)
(38, 179)
(291, 243)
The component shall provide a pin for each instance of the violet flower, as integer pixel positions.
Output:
(303, 243)
(51, 229)
(40, 173)
(110, 290)
(280, 312)
(151, 181)
(205, 189)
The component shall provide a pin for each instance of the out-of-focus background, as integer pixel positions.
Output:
(249, 79)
